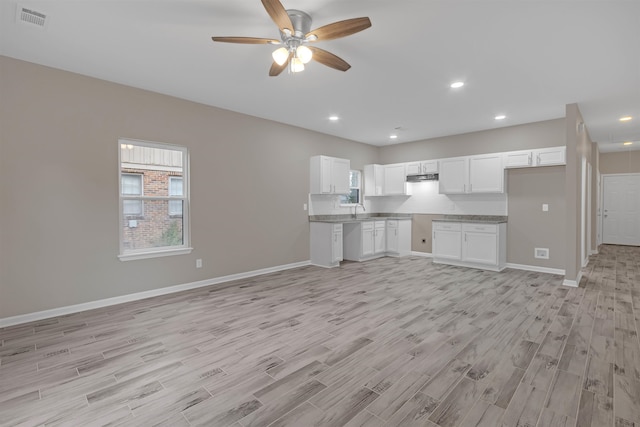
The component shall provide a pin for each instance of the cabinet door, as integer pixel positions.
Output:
(550, 156)
(447, 244)
(486, 174)
(367, 238)
(430, 167)
(395, 179)
(518, 159)
(336, 244)
(340, 175)
(379, 241)
(453, 176)
(373, 181)
(414, 168)
(326, 165)
(480, 247)
(392, 237)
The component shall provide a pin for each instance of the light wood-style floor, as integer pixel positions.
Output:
(391, 342)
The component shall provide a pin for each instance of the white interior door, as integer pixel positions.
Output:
(621, 209)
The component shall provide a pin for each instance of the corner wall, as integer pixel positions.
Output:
(59, 188)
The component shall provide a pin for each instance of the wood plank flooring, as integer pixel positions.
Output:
(390, 342)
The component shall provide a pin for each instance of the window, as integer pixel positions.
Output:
(131, 186)
(353, 198)
(175, 189)
(154, 200)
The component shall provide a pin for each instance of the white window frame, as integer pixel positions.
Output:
(185, 248)
(141, 177)
(171, 212)
(354, 188)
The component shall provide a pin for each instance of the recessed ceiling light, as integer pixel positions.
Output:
(500, 117)
(334, 118)
(625, 118)
(393, 136)
(627, 143)
(456, 85)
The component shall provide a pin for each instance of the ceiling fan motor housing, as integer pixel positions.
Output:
(301, 22)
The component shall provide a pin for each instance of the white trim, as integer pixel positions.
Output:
(422, 254)
(585, 262)
(573, 283)
(154, 254)
(593, 252)
(535, 268)
(61, 311)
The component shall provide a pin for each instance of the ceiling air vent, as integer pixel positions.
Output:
(31, 16)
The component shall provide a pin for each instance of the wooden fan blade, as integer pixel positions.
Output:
(278, 13)
(329, 59)
(277, 69)
(245, 40)
(339, 29)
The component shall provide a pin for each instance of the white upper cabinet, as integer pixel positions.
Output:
(486, 174)
(453, 176)
(373, 180)
(550, 156)
(421, 168)
(473, 174)
(395, 180)
(387, 180)
(538, 157)
(329, 175)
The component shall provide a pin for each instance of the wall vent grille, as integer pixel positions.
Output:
(541, 253)
(30, 16)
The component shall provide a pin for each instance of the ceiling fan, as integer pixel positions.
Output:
(295, 34)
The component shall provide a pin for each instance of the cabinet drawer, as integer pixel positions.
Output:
(337, 228)
(380, 224)
(481, 228)
(392, 223)
(447, 226)
(367, 225)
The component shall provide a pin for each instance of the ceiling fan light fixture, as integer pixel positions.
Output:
(280, 55)
(304, 53)
(296, 65)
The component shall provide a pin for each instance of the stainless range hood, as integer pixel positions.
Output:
(422, 177)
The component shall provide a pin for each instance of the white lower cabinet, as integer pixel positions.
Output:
(398, 237)
(326, 244)
(373, 239)
(478, 245)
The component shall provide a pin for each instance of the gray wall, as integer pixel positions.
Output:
(529, 227)
(59, 188)
(620, 162)
(550, 133)
(421, 228)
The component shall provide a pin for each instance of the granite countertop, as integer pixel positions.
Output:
(485, 219)
(340, 219)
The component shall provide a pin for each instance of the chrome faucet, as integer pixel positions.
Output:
(355, 209)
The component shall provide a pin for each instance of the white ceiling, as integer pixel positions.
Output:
(525, 59)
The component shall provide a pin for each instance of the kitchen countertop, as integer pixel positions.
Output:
(484, 219)
(342, 219)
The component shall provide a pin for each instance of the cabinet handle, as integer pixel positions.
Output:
(465, 237)
(470, 188)
(538, 159)
(530, 158)
(434, 235)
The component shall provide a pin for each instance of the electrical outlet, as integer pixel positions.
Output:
(304, 206)
(545, 207)
(541, 253)
(424, 240)
(199, 263)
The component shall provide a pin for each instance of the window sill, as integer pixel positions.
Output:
(154, 254)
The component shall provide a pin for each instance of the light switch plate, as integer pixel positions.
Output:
(545, 207)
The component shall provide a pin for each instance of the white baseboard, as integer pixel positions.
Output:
(54, 312)
(573, 283)
(558, 271)
(422, 254)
